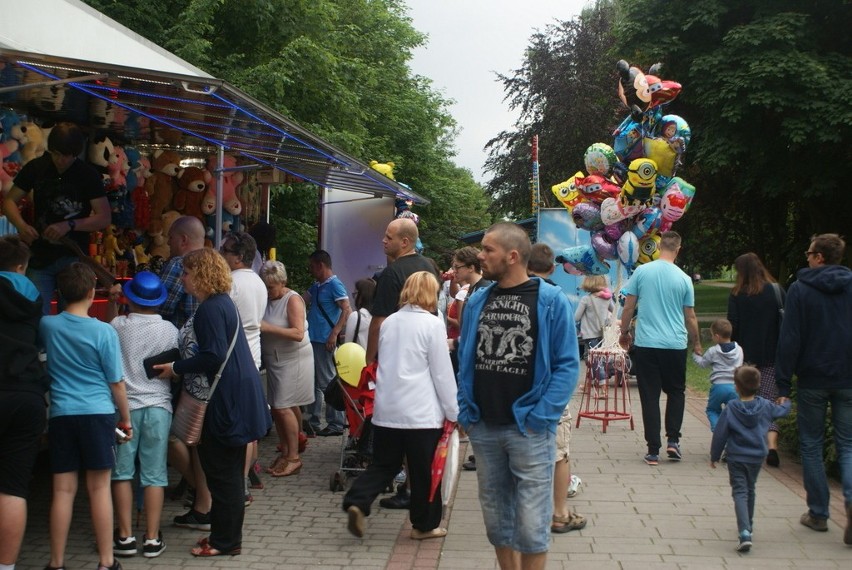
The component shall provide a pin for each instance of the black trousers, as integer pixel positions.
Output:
(390, 446)
(223, 467)
(661, 370)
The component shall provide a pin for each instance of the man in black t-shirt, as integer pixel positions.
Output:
(518, 364)
(403, 260)
(68, 200)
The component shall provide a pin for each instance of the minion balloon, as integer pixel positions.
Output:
(639, 187)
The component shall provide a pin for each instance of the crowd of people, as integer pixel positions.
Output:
(492, 348)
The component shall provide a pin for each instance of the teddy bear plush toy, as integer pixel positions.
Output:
(36, 142)
(192, 182)
(162, 185)
(385, 168)
(231, 206)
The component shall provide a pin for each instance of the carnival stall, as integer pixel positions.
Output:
(171, 140)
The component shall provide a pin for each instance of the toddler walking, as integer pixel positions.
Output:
(723, 358)
(742, 429)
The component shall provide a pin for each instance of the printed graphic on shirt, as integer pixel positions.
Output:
(504, 344)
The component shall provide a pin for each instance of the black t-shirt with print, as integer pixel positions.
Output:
(505, 350)
(58, 197)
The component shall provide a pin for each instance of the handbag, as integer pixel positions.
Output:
(777, 288)
(333, 395)
(188, 419)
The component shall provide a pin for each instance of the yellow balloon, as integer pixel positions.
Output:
(349, 359)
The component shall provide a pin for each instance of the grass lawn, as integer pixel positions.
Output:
(711, 299)
(698, 378)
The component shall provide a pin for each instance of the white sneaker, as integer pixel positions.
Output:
(574, 485)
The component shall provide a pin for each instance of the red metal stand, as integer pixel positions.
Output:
(606, 395)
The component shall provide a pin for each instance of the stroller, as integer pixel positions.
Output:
(356, 448)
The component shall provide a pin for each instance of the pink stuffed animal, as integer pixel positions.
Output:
(231, 180)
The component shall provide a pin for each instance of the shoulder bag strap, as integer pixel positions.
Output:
(777, 288)
(357, 327)
(227, 357)
(319, 306)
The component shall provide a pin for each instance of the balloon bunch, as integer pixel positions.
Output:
(631, 192)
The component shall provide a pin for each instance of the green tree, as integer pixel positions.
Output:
(565, 93)
(766, 92)
(337, 67)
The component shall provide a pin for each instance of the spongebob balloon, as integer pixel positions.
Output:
(567, 192)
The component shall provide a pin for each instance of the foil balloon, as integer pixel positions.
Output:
(674, 204)
(604, 247)
(628, 249)
(614, 231)
(633, 88)
(647, 222)
(567, 193)
(663, 153)
(584, 259)
(687, 189)
(587, 216)
(599, 159)
(639, 187)
(649, 249)
(627, 139)
(596, 188)
(675, 127)
(662, 91)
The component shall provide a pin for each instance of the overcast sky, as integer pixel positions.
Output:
(470, 40)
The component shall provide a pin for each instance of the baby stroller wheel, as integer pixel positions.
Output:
(336, 482)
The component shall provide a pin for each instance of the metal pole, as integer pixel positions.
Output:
(220, 191)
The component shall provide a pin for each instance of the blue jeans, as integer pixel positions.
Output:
(812, 406)
(743, 477)
(44, 279)
(719, 394)
(324, 373)
(515, 475)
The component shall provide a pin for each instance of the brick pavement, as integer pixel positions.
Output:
(675, 515)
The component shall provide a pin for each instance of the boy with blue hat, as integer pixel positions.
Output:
(143, 333)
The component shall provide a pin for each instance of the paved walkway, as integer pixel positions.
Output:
(675, 515)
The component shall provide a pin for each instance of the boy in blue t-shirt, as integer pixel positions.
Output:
(86, 387)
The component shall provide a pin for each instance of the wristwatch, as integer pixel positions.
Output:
(72, 224)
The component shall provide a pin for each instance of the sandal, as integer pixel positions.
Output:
(276, 464)
(573, 521)
(205, 550)
(287, 468)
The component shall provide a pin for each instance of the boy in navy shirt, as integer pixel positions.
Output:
(742, 429)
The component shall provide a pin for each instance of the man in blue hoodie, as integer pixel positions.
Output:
(814, 344)
(518, 364)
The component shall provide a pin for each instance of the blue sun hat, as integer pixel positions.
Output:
(146, 290)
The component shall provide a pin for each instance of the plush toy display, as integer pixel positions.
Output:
(111, 247)
(12, 136)
(162, 185)
(192, 182)
(157, 246)
(36, 142)
(385, 168)
(231, 206)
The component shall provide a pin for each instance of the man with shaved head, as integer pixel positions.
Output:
(403, 260)
(185, 235)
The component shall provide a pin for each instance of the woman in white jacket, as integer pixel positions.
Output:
(415, 393)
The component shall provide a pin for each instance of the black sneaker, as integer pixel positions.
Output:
(470, 464)
(402, 500)
(673, 451)
(329, 432)
(115, 566)
(193, 519)
(123, 546)
(153, 547)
